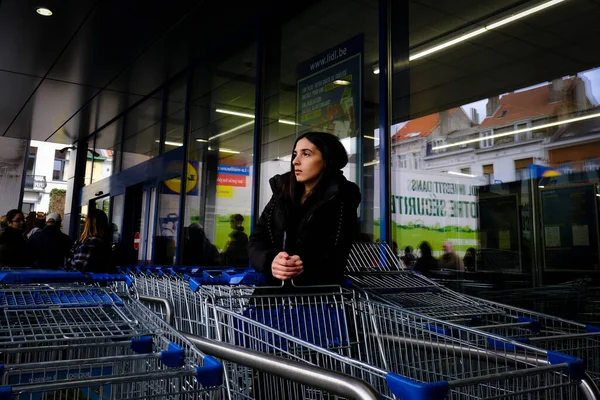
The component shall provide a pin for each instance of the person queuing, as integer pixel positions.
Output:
(92, 252)
(236, 253)
(426, 262)
(13, 252)
(449, 259)
(49, 247)
(306, 230)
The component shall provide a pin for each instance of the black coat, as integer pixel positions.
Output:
(13, 250)
(49, 247)
(323, 235)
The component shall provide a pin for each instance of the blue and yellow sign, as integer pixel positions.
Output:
(173, 185)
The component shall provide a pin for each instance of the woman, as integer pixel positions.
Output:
(426, 262)
(308, 226)
(91, 253)
(13, 253)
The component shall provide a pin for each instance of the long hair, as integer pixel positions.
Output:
(425, 249)
(96, 225)
(334, 157)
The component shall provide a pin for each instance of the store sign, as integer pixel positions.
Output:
(231, 180)
(233, 170)
(329, 94)
(173, 185)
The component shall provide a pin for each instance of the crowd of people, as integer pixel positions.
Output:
(425, 262)
(36, 241)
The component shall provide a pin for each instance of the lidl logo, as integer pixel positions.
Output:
(191, 186)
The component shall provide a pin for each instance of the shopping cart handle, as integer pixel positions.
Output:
(226, 278)
(45, 276)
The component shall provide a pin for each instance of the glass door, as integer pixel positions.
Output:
(148, 218)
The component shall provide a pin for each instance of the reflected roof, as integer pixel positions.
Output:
(527, 105)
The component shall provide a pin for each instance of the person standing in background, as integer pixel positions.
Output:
(92, 252)
(13, 249)
(470, 259)
(38, 224)
(236, 253)
(49, 247)
(409, 258)
(449, 259)
(426, 262)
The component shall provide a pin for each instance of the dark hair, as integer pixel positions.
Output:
(471, 250)
(12, 214)
(335, 158)
(40, 223)
(408, 249)
(425, 249)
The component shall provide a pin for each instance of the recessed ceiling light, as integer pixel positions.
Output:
(46, 12)
(342, 82)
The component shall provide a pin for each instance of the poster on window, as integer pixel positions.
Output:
(330, 90)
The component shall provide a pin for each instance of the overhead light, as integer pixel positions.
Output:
(222, 150)
(462, 174)
(370, 137)
(239, 114)
(45, 12)
(370, 163)
(541, 187)
(342, 82)
(229, 151)
(168, 143)
(483, 30)
(517, 131)
(376, 69)
(231, 130)
(598, 195)
(202, 140)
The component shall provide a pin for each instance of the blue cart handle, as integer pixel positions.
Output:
(45, 276)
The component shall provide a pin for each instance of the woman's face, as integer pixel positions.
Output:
(17, 222)
(308, 162)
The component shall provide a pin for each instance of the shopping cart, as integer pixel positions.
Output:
(400, 353)
(167, 292)
(71, 336)
(408, 290)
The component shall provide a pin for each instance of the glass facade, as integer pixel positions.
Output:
(480, 123)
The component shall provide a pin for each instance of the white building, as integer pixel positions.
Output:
(500, 159)
(46, 169)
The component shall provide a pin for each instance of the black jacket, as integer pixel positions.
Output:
(49, 247)
(13, 250)
(236, 254)
(323, 235)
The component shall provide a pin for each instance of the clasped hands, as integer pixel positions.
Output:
(285, 267)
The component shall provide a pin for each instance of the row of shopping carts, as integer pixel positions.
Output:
(390, 334)
(401, 351)
(376, 274)
(68, 335)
